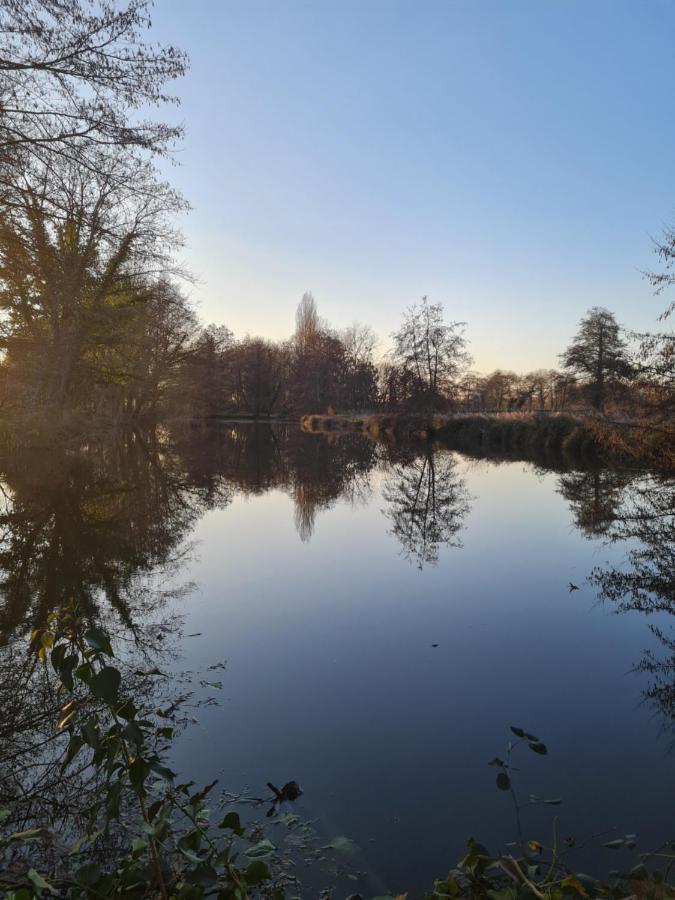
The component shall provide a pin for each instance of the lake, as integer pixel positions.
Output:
(378, 616)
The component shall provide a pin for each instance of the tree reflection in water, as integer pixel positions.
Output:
(92, 526)
(595, 497)
(322, 471)
(102, 528)
(644, 520)
(427, 502)
(425, 496)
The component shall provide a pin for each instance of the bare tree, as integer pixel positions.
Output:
(431, 350)
(359, 342)
(656, 353)
(664, 280)
(306, 323)
(73, 75)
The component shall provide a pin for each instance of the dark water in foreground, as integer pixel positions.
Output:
(325, 570)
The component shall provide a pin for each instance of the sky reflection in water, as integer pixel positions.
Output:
(327, 623)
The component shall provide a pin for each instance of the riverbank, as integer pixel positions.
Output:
(373, 424)
(512, 433)
(566, 436)
(518, 434)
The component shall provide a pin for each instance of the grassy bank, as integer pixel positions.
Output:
(516, 434)
(513, 434)
(373, 424)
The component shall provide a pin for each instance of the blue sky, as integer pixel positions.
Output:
(509, 159)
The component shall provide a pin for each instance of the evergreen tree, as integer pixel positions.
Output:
(598, 354)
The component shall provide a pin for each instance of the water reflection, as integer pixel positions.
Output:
(321, 472)
(102, 527)
(95, 523)
(644, 521)
(86, 525)
(253, 459)
(595, 497)
(427, 502)
(110, 523)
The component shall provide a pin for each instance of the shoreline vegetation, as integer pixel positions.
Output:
(518, 435)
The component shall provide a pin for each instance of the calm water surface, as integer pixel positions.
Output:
(324, 571)
(327, 615)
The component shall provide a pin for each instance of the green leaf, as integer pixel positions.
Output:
(518, 731)
(75, 744)
(198, 796)
(203, 874)
(138, 772)
(21, 894)
(84, 672)
(232, 822)
(106, 684)
(261, 850)
(127, 710)
(162, 771)
(90, 733)
(503, 781)
(98, 640)
(154, 808)
(87, 875)
(257, 873)
(133, 734)
(32, 834)
(538, 747)
(84, 840)
(57, 656)
(39, 883)
(66, 671)
(288, 819)
(190, 855)
(639, 873)
(342, 845)
(112, 806)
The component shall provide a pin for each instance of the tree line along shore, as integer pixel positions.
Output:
(614, 391)
(559, 436)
